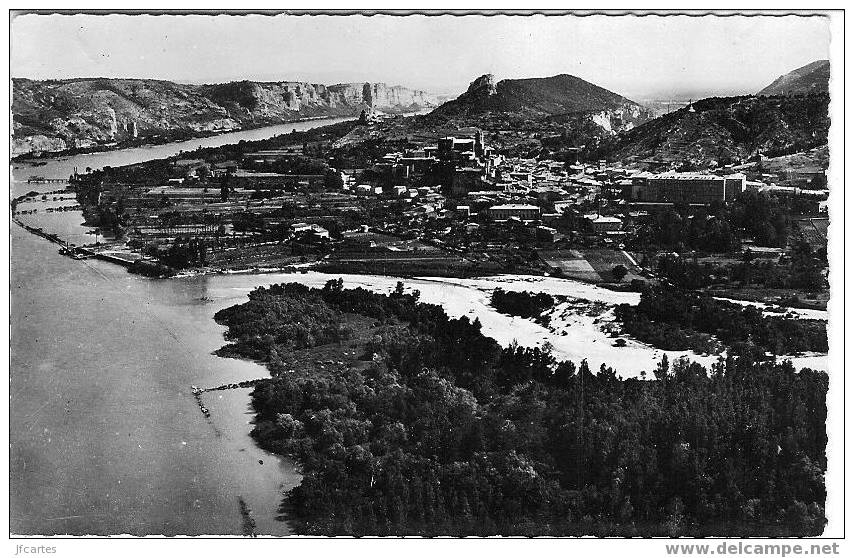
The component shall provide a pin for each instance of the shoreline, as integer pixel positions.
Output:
(228, 426)
(105, 148)
(39, 232)
(578, 335)
(805, 313)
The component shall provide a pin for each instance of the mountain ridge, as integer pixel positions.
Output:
(725, 130)
(549, 96)
(558, 96)
(55, 115)
(811, 78)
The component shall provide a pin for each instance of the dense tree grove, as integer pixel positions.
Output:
(805, 270)
(268, 323)
(720, 227)
(763, 217)
(184, 252)
(521, 303)
(679, 228)
(673, 319)
(443, 432)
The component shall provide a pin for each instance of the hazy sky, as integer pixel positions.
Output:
(639, 57)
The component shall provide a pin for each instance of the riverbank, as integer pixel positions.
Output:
(185, 136)
(153, 141)
(579, 329)
(575, 332)
(61, 167)
(38, 231)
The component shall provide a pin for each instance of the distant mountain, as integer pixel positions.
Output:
(535, 98)
(724, 129)
(812, 78)
(57, 115)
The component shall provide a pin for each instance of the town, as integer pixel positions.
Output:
(451, 204)
(484, 274)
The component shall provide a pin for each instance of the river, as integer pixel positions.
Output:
(105, 436)
(63, 167)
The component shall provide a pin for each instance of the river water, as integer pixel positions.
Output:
(105, 436)
(63, 167)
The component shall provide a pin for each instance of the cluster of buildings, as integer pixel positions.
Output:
(690, 188)
(474, 180)
(458, 179)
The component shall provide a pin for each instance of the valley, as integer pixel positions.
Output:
(550, 305)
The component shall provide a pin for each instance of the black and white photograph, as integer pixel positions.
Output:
(427, 274)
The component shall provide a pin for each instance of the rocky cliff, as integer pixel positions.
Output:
(79, 113)
(563, 97)
(725, 130)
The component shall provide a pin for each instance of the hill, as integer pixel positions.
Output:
(724, 130)
(562, 97)
(80, 113)
(812, 78)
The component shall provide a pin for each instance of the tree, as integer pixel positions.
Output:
(332, 180)
(619, 272)
(398, 290)
(224, 189)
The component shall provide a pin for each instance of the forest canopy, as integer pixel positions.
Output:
(442, 431)
(671, 318)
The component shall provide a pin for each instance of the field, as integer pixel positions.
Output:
(593, 265)
(444, 266)
(818, 157)
(388, 255)
(261, 256)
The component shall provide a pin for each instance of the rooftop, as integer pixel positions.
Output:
(602, 219)
(692, 176)
(515, 206)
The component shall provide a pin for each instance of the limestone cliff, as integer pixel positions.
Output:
(56, 115)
